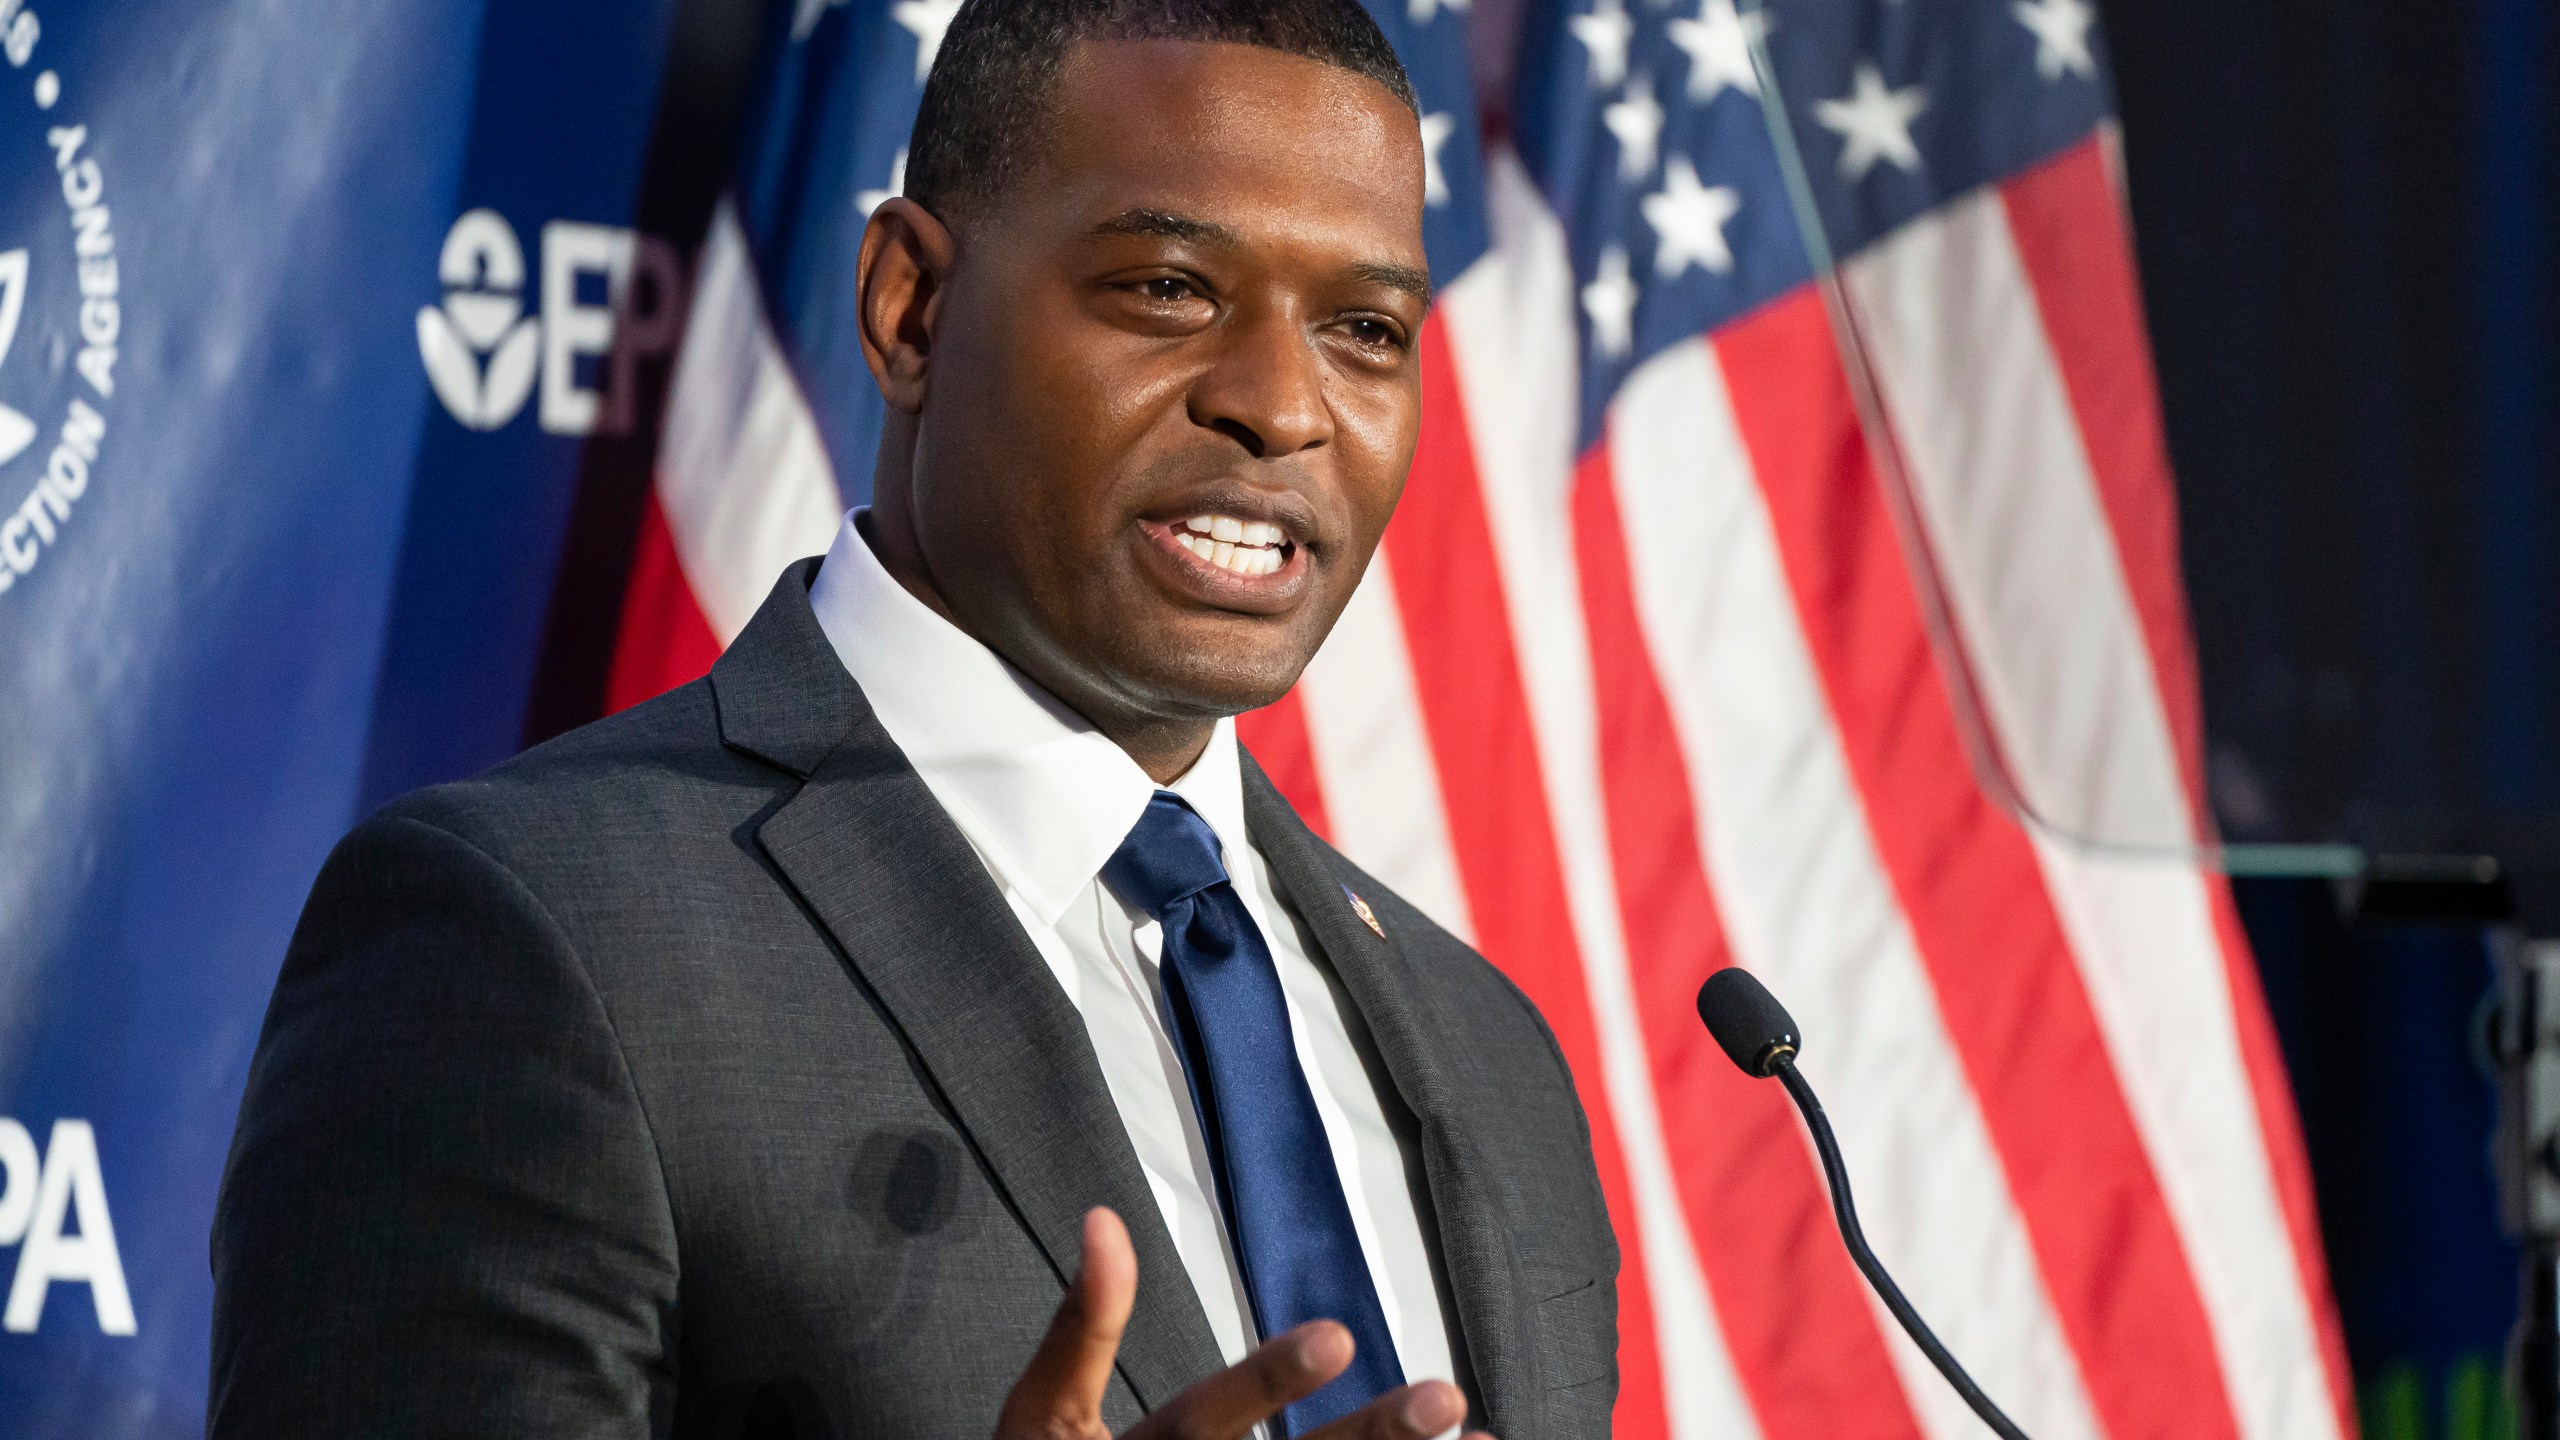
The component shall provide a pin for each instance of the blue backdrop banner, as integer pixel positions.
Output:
(328, 339)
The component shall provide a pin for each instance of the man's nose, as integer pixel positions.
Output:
(1266, 390)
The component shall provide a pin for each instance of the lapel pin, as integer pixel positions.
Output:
(1367, 916)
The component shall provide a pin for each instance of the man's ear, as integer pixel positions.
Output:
(905, 260)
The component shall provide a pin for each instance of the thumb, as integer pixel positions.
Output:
(1060, 1391)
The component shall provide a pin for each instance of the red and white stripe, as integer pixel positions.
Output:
(743, 483)
(2036, 529)
(1624, 716)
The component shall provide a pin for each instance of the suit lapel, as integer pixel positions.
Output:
(873, 856)
(1425, 1062)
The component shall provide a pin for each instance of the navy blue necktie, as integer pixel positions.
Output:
(1283, 1199)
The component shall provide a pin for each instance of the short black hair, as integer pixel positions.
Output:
(996, 75)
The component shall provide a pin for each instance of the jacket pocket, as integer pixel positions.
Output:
(1578, 1334)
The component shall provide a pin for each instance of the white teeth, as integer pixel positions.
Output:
(1240, 547)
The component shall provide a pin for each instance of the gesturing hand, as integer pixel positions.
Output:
(1059, 1396)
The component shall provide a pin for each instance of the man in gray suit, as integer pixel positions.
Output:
(932, 1023)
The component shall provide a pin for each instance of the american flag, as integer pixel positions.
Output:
(1669, 662)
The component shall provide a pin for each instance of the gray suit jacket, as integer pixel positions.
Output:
(688, 1075)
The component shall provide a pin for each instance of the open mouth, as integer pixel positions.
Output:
(1237, 546)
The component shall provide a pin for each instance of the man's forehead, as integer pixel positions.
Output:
(1229, 61)
(1222, 144)
(1155, 101)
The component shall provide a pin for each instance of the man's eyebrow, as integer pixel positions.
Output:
(1396, 277)
(1163, 226)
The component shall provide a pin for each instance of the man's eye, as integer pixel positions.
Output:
(1377, 334)
(1169, 289)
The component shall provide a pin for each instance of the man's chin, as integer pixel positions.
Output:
(1214, 681)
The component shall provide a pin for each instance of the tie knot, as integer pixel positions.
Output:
(1171, 855)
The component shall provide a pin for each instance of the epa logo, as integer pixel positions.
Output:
(61, 294)
(41, 1197)
(608, 298)
(17, 432)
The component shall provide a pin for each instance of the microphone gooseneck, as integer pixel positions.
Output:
(1761, 1038)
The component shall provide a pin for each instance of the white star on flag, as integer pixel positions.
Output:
(1719, 44)
(870, 200)
(1875, 121)
(1423, 12)
(1605, 33)
(1637, 122)
(1688, 221)
(1610, 301)
(2062, 36)
(926, 19)
(1435, 133)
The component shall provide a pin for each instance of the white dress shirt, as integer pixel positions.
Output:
(1046, 799)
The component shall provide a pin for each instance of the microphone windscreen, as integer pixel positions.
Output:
(1746, 1020)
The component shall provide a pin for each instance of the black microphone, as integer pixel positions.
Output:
(1756, 1031)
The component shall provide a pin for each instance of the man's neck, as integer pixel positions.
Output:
(895, 548)
(1165, 749)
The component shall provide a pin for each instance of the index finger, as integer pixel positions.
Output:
(1261, 1385)
(1409, 1412)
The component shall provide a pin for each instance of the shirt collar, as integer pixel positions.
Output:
(1043, 796)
